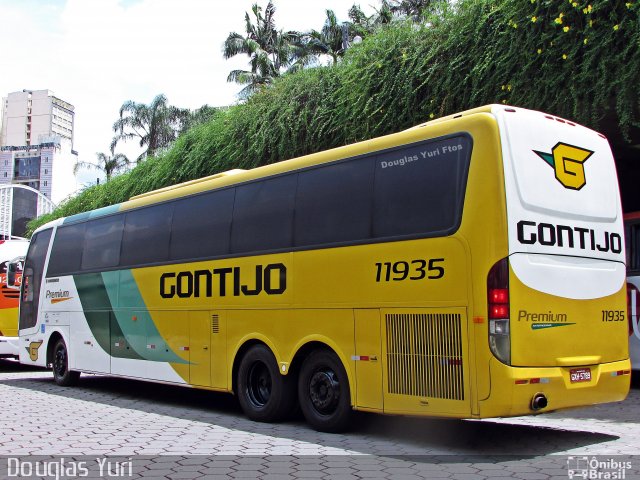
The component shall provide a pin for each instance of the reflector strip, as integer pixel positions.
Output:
(532, 381)
(362, 358)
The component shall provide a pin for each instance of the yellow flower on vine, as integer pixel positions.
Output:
(585, 41)
(629, 4)
(564, 56)
(539, 51)
(431, 115)
(558, 20)
(616, 28)
(534, 19)
(566, 29)
(575, 4)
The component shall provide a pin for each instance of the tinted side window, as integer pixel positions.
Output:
(334, 203)
(201, 225)
(420, 189)
(32, 278)
(102, 243)
(66, 252)
(263, 215)
(146, 235)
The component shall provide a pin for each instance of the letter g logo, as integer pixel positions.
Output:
(567, 161)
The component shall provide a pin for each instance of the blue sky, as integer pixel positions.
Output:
(97, 54)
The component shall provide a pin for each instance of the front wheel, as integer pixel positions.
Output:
(61, 373)
(323, 392)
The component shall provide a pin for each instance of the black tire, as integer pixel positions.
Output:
(60, 363)
(323, 392)
(264, 394)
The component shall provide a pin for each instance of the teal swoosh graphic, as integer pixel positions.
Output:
(100, 212)
(547, 157)
(122, 290)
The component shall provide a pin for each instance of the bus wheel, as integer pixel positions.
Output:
(61, 373)
(264, 394)
(323, 392)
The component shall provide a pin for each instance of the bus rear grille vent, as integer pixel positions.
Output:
(215, 323)
(424, 355)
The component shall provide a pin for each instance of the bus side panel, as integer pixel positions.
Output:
(369, 360)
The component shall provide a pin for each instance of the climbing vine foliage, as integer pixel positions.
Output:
(576, 59)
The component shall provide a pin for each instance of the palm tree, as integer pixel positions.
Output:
(414, 9)
(268, 49)
(328, 41)
(199, 116)
(155, 125)
(106, 164)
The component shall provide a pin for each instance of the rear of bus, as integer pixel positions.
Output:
(9, 298)
(556, 304)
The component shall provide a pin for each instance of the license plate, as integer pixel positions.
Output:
(580, 375)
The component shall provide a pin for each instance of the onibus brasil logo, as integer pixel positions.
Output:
(568, 163)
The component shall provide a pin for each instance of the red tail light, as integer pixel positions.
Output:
(498, 290)
(498, 311)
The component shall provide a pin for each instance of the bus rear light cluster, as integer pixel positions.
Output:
(619, 373)
(498, 304)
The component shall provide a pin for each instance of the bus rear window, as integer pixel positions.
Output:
(420, 189)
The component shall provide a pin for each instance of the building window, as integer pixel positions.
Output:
(45, 183)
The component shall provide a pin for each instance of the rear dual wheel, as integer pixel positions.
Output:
(264, 394)
(323, 389)
(323, 392)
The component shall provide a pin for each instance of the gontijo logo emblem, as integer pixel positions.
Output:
(568, 163)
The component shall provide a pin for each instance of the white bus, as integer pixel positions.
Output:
(632, 238)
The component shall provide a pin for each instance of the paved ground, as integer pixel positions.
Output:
(158, 431)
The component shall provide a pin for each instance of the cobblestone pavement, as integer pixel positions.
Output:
(159, 431)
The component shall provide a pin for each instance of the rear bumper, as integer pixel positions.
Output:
(512, 390)
(8, 347)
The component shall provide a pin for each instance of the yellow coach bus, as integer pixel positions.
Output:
(469, 267)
